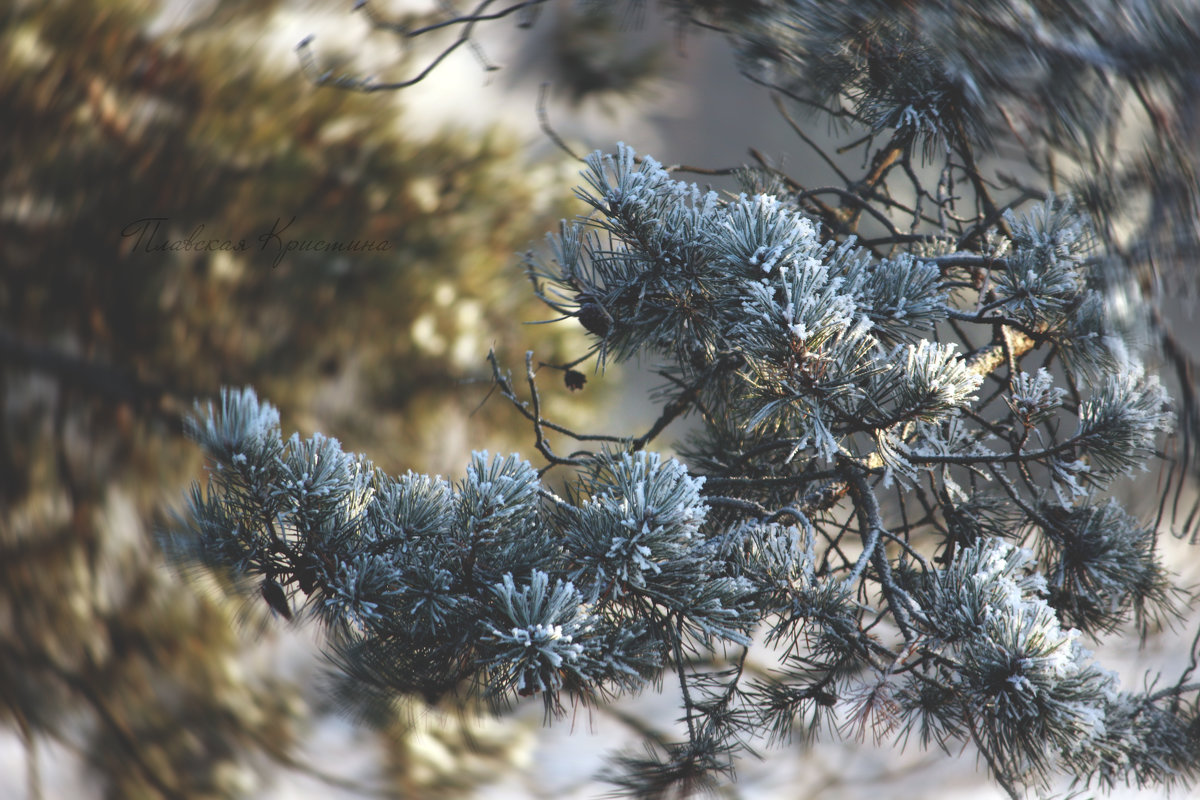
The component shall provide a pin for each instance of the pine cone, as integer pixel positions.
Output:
(594, 318)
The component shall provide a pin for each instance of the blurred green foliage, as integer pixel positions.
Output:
(120, 151)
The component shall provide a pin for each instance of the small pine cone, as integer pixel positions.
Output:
(574, 379)
(594, 318)
(273, 593)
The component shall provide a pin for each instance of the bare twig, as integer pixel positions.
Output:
(467, 23)
(544, 122)
(820, 151)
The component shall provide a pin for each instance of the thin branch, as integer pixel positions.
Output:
(848, 218)
(1172, 691)
(1193, 657)
(820, 151)
(342, 81)
(543, 446)
(670, 412)
(544, 122)
(507, 391)
(1000, 777)
(479, 17)
(871, 525)
(839, 113)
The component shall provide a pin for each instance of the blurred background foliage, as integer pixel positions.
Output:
(105, 339)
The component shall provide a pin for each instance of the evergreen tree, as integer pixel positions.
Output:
(912, 396)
